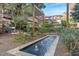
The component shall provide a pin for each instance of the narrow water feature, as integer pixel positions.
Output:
(39, 48)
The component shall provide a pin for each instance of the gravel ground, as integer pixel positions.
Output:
(6, 42)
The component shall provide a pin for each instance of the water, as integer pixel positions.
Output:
(40, 48)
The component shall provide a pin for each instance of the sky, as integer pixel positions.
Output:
(54, 9)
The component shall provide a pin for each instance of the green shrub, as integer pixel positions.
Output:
(70, 38)
(49, 28)
(21, 37)
(21, 23)
(64, 23)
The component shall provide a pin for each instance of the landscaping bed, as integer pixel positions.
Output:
(8, 42)
(61, 49)
(69, 42)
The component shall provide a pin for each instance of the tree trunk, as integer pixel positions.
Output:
(67, 15)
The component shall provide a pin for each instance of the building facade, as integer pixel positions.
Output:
(54, 19)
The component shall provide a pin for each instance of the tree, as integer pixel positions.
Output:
(75, 14)
(19, 13)
(40, 5)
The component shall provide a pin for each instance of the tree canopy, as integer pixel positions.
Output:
(75, 14)
(20, 13)
(40, 5)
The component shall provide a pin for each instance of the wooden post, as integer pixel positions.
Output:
(67, 16)
(43, 19)
(33, 22)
